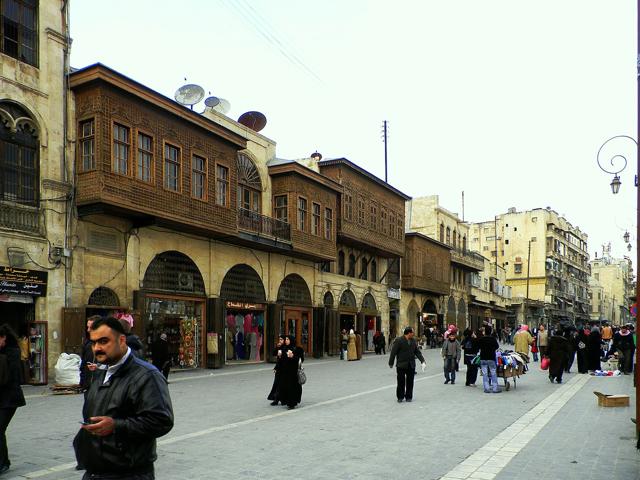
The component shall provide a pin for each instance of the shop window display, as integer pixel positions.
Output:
(181, 320)
(244, 335)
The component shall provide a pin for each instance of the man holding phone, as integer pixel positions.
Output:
(126, 408)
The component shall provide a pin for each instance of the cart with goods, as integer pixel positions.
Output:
(510, 372)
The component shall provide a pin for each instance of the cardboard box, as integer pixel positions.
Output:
(612, 400)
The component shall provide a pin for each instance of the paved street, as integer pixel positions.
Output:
(349, 426)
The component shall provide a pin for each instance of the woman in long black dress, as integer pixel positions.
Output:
(594, 349)
(583, 339)
(557, 351)
(290, 390)
(277, 353)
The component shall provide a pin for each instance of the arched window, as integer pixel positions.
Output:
(442, 232)
(455, 239)
(340, 262)
(448, 236)
(19, 162)
(249, 184)
(352, 266)
(364, 274)
(374, 271)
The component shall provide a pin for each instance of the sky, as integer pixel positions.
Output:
(506, 100)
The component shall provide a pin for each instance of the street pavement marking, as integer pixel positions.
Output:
(489, 460)
(229, 426)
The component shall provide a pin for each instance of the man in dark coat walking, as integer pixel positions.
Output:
(126, 408)
(87, 361)
(406, 350)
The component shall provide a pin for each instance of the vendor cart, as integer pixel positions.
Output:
(510, 371)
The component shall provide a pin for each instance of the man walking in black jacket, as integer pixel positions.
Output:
(126, 408)
(406, 350)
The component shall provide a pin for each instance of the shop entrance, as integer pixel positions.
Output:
(19, 313)
(245, 315)
(296, 321)
(173, 303)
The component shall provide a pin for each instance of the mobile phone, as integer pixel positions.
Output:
(82, 422)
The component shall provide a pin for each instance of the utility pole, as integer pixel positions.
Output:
(526, 300)
(495, 237)
(384, 140)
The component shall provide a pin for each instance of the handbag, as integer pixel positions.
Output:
(544, 363)
(302, 377)
(476, 360)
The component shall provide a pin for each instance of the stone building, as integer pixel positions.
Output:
(35, 177)
(426, 216)
(613, 289)
(190, 223)
(426, 267)
(546, 262)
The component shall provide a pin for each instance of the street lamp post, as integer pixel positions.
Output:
(618, 163)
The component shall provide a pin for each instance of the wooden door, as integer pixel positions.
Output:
(74, 328)
(293, 324)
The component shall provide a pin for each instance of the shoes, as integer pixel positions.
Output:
(550, 378)
(275, 402)
(497, 391)
(446, 381)
(3, 468)
(487, 391)
(291, 407)
(409, 399)
(559, 380)
(453, 382)
(400, 400)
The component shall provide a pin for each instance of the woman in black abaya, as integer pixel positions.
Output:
(277, 371)
(594, 349)
(290, 390)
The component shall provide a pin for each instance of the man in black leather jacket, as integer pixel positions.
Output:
(406, 350)
(126, 408)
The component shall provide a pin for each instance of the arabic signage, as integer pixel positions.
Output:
(245, 306)
(393, 293)
(19, 281)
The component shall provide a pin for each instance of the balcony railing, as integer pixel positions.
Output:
(18, 217)
(263, 225)
(468, 258)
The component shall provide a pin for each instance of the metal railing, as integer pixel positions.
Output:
(18, 217)
(263, 225)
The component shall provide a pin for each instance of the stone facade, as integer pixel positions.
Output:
(29, 234)
(611, 289)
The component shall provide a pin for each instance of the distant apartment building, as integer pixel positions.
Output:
(612, 289)
(426, 216)
(545, 259)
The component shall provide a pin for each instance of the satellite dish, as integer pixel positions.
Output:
(211, 101)
(189, 94)
(223, 107)
(254, 120)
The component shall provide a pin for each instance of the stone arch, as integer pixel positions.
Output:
(103, 296)
(242, 282)
(462, 315)
(412, 315)
(369, 303)
(429, 307)
(348, 299)
(451, 311)
(328, 300)
(174, 272)
(294, 291)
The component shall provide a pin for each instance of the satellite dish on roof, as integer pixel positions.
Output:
(254, 120)
(211, 101)
(189, 94)
(223, 107)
